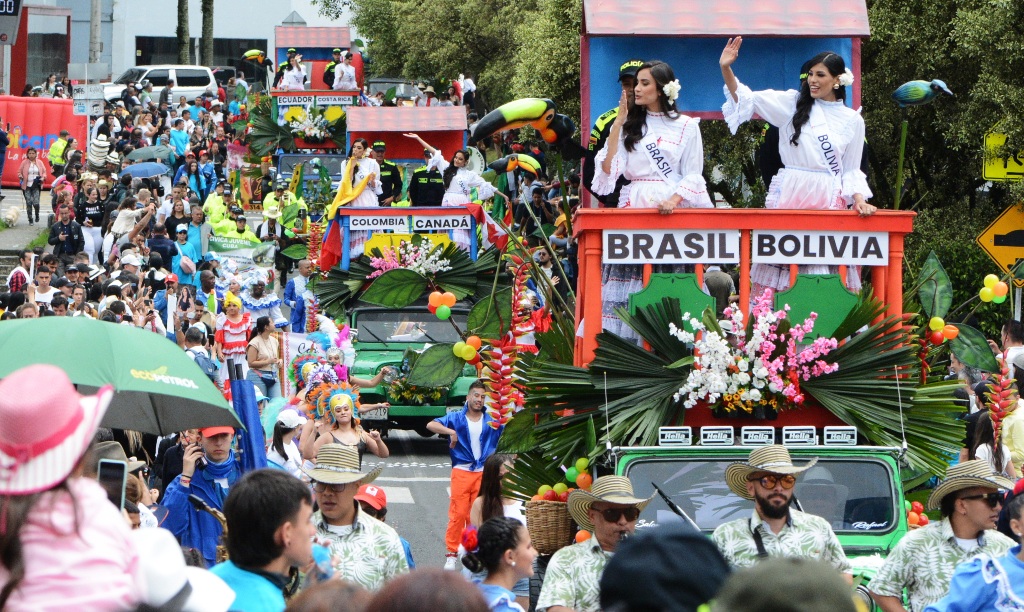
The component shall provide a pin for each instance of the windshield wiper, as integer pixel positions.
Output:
(375, 336)
(674, 507)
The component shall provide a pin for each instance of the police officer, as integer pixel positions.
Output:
(329, 69)
(426, 187)
(390, 176)
(284, 66)
(603, 126)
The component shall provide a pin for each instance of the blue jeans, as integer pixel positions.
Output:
(266, 384)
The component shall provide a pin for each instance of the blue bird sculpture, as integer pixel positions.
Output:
(915, 93)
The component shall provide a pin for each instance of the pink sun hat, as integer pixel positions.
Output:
(45, 428)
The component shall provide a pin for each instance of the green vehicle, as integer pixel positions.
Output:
(857, 488)
(393, 337)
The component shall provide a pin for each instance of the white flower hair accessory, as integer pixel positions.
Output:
(846, 78)
(671, 90)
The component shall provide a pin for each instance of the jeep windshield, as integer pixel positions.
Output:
(399, 326)
(856, 495)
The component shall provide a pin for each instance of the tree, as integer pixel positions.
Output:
(206, 46)
(182, 33)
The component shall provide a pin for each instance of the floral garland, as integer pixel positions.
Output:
(423, 258)
(314, 124)
(401, 390)
(764, 370)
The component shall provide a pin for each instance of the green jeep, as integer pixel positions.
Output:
(857, 488)
(393, 337)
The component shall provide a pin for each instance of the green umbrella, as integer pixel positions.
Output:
(159, 389)
(158, 152)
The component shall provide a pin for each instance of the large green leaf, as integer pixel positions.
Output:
(935, 290)
(971, 347)
(396, 289)
(296, 251)
(437, 366)
(491, 316)
(529, 472)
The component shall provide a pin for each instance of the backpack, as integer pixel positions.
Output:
(207, 365)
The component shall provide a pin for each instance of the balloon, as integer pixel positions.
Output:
(922, 519)
(571, 474)
(936, 323)
(432, 308)
(917, 507)
(468, 352)
(474, 341)
(913, 518)
(457, 348)
(582, 536)
(936, 337)
(443, 312)
(475, 360)
(991, 280)
(435, 298)
(950, 332)
(999, 299)
(584, 481)
(448, 299)
(986, 294)
(560, 488)
(551, 495)
(907, 506)
(582, 464)
(543, 489)
(1000, 289)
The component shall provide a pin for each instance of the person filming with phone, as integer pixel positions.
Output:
(208, 470)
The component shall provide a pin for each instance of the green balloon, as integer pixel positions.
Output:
(443, 312)
(571, 474)
(999, 299)
(582, 464)
(906, 505)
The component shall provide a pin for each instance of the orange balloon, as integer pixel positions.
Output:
(950, 331)
(582, 536)
(1000, 289)
(474, 341)
(448, 299)
(913, 518)
(584, 481)
(435, 298)
(537, 498)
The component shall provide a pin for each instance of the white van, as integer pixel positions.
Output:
(189, 81)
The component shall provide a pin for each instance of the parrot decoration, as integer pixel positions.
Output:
(916, 93)
(257, 57)
(538, 113)
(516, 161)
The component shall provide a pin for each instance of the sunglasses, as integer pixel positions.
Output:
(787, 481)
(612, 515)
(320, 487)
(992, 499)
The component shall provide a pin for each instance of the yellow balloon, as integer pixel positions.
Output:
(990, 281)
(936, 323)
(1000, 289)
(986, 294)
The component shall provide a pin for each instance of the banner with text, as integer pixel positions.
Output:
(830, 248)
(306, 100)
(245, 254)
(678, 246)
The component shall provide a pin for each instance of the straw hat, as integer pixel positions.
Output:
(34, 457)
(339, 464)
(271, 212)
(967, 475)
(774, 459)
(610, 489)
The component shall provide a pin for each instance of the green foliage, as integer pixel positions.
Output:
(972, 349)
(296, 252)
(396, 289)
(935, 291)
(547, 58)
(436, 366)
(490, 317)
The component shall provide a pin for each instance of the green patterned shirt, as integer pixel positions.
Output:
(923, 562)
(369, 555)
(804, 535)
(573, 577)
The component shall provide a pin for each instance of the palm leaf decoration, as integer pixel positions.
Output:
(266, 135)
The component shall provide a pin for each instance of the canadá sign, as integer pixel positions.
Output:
(440, 223)
(671, 246)
(826, 248)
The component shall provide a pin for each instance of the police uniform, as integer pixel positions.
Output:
(426, 187)
(598, 136)
(329, 70)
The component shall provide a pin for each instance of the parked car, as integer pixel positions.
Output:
(223, 73)
(189, 81)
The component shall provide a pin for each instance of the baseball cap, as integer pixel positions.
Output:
(171, 278)
(291, 49)
(237, 210)
(209, 432)
(372, 495)
(379, 144)
(291, 419)
(239, 218)
(83, 268)
(335, 50)
(131, 259)
(181, 230)
(630, 68)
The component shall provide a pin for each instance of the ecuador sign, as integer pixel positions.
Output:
(1003, 240)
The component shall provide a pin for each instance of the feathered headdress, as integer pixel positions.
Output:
(329, 395)
(297, 372)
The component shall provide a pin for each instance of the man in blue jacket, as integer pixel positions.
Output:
(472, 439)
(209, 469)
(293, 297)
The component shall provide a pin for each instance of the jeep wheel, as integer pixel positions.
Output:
(423, 431)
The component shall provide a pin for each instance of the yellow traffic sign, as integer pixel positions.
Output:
(1001, 168)
(1003, 239)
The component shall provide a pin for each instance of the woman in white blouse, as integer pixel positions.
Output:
(459, 183)
(366, 166)
(820, 142)
(661, 152)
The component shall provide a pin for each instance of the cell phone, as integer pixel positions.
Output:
(113, 477)
(201, 461)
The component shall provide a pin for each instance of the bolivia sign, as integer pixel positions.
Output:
(1003, 240)
(824, 248)
(671, 246)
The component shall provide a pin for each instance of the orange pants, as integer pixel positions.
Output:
(465, 488)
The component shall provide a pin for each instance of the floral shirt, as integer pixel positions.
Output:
(804, 535)
(368, 555)
(923, 562)
(573, 578)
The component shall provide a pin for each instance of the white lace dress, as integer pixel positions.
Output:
(682, 147)
(806, 182)
(460, 191)
(367, 199)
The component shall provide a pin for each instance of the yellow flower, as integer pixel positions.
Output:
(295, 113)
(334, 113)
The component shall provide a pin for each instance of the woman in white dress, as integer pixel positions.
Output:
(820, 142)
(661, 152)
(459, 183)
(366, 166)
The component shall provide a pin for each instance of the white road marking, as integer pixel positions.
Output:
(411, 479)
(398, 495)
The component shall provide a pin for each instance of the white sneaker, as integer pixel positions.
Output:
(451, 561)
